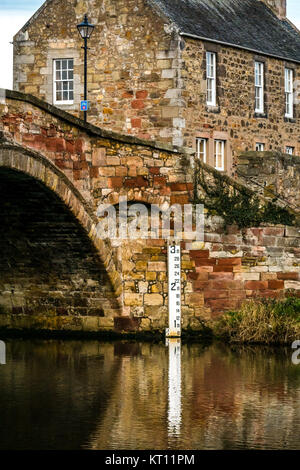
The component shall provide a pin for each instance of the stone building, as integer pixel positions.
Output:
(214, 75)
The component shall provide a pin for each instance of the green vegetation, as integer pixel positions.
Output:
(264, 322)
(236, 204)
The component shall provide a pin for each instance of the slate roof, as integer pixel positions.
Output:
(249, 24)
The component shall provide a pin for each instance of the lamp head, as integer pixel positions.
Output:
(85, 28)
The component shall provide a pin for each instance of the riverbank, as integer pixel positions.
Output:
(265, 322)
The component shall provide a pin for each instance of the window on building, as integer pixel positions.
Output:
(259, 87)
(202, 149)
(220, 155)
(63, 81)
(259, 147)
(289, 97)
(290, 150)
(211, 75)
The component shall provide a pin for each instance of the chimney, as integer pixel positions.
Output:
(277, 6)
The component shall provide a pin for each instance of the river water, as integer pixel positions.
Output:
(58, 394)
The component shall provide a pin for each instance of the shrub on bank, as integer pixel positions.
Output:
(266, 322)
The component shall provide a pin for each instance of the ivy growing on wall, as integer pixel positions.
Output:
(234, 203)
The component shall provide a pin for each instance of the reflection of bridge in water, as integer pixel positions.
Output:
(225, 399)
(51, 392)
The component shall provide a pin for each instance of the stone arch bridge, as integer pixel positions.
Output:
(57, 274)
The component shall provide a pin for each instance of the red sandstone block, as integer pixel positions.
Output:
(137, 104)
(197, 276)
(276, 284)
(216, 294)
(142, 94)
(204, 269)
(237, 294)
(201, 285)
(70, 146)
(60, 144)
(60, 163)
(269, 294)
(273, 231)
(205, 261)
(194, 276)
(80, 165)
(94, 172)
(79, 145)
(256, 285)
(137, 182)
(288, 276)
(181, 186)
(154, 170)
(50, 144)
(165, 191)
(228, 284)
(257, 232)
(77, 174)
(199, 254)
(39, 142)
(159, 181)
(136, 122)
(223, 269)
(229, 261)
(115, 182)
(222, 276)
(27, 138)
(127, 94)
(179, 199)
(222, 304)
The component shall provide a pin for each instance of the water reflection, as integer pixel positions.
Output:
(174, 389)
(93, 395)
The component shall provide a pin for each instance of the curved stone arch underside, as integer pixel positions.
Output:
(33, 164)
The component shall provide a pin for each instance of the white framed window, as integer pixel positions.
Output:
(259, 147)
(202, 149)
(211, 78)
(219, 155)
(290, 150)
(259, 87)
(289, 97)
(63, 81)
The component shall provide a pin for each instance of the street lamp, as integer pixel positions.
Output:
(85, 30)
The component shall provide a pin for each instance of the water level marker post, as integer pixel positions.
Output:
(174, 282)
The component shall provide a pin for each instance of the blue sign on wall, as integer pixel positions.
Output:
(84, 105)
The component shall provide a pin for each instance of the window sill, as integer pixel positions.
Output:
(63, 103)
(213, 109)
(289, 119)
(221, 170)
(260, 115)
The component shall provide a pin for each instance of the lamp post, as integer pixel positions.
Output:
(85, 30)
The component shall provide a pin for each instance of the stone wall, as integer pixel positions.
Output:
(234, 119)
(271, 174)
(133, 67)
(98, 166)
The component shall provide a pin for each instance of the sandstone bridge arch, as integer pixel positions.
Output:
(53, 267)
